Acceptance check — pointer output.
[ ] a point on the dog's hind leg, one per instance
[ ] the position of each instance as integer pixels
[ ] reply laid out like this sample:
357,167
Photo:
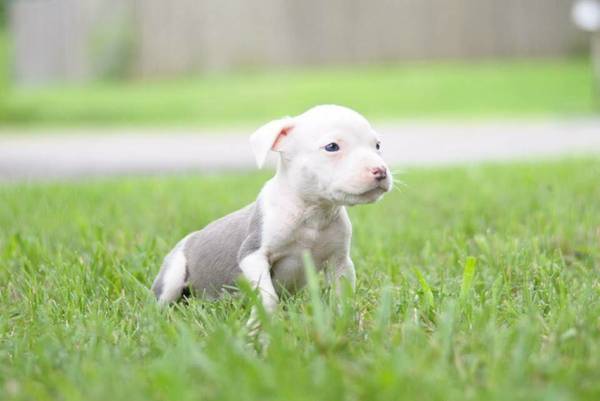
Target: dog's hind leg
172,278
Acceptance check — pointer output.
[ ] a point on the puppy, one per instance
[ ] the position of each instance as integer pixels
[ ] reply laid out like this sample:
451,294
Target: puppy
329,158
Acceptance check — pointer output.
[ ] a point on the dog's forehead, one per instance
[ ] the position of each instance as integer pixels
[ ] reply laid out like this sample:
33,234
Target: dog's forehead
327,120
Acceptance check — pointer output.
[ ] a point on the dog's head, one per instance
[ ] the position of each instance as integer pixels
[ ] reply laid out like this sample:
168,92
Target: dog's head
329,153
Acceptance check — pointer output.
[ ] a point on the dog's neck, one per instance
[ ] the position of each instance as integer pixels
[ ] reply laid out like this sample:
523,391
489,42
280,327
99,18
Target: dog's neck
317,213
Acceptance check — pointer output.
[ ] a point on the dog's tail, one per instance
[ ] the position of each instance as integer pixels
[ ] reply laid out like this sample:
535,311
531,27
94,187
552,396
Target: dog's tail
172,278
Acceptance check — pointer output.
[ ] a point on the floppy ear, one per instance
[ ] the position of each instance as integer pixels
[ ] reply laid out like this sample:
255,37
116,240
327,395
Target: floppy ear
269,137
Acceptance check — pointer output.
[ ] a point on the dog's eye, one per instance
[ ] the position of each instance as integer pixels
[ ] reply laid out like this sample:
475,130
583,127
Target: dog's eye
332,147
378,146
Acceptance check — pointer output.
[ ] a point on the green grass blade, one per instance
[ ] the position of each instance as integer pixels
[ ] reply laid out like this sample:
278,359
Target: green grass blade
314,290
426,289
384,311
467,278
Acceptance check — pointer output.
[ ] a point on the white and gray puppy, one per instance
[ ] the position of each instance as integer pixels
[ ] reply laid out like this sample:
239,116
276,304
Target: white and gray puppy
329,157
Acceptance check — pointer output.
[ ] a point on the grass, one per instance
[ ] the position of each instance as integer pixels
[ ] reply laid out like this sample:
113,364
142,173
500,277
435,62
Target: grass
473,283
418,90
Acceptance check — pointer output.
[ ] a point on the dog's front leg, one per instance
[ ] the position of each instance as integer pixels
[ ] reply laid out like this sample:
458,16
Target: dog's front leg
257,271
343,271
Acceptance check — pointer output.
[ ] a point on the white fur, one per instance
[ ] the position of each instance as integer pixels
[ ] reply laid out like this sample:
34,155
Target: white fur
303,205
173,281
302,208
265,137
256,269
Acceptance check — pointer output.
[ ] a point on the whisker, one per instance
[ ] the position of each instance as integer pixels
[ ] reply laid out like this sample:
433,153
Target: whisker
398,184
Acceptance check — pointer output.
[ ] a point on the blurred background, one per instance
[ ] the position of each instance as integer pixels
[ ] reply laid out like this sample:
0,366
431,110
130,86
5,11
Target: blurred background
200,67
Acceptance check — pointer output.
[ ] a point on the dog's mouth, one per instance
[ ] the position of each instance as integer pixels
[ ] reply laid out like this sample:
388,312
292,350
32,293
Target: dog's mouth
368,196
378,190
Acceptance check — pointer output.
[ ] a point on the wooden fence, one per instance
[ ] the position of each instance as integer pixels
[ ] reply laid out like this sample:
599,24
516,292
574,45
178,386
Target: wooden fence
83,39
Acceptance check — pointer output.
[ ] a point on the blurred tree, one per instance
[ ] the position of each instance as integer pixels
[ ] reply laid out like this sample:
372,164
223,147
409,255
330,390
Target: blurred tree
3,13
3,59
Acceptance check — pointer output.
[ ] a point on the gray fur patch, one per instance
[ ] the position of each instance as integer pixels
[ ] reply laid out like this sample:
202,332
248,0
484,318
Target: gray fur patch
254,239
212,253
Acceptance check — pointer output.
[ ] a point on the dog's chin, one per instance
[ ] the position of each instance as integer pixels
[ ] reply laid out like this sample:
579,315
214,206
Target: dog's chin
370,196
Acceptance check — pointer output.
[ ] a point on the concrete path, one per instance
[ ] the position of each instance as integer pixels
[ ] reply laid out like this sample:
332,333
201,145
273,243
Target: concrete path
60,154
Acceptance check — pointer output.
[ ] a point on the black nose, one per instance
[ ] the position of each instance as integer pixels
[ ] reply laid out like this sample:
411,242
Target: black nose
380,173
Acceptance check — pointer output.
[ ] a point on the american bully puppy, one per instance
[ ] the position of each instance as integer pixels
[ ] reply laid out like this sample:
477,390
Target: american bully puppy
329,158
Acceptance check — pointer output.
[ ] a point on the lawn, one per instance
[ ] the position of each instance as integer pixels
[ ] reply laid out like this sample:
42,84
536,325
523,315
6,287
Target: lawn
473,283
415,90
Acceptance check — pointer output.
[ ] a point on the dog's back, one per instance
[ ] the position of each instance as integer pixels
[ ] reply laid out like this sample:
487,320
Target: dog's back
206,261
